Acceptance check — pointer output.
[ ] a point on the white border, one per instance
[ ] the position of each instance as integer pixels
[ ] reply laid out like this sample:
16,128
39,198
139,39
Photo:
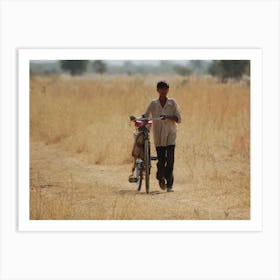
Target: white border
255,55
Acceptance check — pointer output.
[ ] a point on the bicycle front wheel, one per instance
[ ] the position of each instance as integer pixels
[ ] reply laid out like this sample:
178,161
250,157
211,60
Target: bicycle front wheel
147,162
139,177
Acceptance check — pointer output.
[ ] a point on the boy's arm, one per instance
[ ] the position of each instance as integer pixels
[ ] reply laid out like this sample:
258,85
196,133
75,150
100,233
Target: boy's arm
172,118
148,111
176,117
145,115
177,114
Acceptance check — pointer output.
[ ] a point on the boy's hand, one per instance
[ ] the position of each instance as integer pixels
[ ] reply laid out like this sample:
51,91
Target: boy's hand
172,118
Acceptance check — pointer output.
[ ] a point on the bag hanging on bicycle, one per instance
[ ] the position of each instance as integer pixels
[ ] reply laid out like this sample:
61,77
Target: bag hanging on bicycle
138,147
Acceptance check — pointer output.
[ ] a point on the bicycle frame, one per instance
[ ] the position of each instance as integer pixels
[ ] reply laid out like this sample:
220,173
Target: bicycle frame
143,165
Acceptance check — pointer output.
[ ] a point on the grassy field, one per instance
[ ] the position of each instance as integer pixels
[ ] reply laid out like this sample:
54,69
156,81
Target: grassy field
81,140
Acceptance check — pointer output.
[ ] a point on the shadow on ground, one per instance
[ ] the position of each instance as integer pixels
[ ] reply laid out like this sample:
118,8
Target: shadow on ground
134,192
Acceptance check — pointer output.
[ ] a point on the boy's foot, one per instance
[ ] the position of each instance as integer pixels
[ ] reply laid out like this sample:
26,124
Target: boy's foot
162,183
170,190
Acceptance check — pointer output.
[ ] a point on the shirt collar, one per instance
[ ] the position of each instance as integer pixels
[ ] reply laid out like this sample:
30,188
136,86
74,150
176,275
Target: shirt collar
167,100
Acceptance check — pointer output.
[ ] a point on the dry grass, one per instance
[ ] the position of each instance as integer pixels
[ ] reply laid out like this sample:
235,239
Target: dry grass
86,118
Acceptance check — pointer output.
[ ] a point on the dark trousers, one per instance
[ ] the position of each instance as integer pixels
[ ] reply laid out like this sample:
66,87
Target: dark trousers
165,164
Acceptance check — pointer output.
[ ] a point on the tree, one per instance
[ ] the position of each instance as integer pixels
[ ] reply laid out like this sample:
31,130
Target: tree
225,69
182,70
213,68
196,66
99,66
76,67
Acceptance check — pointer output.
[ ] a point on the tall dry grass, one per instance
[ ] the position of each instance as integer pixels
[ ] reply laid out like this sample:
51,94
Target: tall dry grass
89,117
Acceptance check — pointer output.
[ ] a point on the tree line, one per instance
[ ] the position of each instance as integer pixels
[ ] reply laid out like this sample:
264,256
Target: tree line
224,69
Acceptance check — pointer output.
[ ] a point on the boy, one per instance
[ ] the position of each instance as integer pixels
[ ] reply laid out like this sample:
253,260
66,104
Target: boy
164,134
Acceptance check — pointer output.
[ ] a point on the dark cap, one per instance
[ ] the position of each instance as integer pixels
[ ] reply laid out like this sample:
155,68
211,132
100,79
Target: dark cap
162,84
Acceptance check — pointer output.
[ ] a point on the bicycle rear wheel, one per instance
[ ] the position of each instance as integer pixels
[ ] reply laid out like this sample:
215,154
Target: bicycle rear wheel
147,162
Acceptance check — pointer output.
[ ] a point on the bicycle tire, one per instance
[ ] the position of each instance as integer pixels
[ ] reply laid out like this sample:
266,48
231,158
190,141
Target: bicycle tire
147,164
139,177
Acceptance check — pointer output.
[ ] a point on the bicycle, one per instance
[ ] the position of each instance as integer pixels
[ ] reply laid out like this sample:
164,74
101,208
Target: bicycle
142,152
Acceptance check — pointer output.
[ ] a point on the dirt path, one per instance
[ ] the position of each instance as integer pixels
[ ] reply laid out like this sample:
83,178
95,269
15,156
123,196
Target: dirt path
64,186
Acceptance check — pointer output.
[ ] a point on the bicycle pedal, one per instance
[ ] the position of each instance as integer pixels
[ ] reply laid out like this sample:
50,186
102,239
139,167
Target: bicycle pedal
154,158
132,179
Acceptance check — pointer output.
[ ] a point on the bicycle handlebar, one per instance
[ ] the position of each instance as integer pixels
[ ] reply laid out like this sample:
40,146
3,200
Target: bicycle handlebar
148,119
143,119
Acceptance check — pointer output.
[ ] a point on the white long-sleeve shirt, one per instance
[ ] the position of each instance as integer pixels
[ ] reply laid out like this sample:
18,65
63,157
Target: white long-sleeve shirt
164,130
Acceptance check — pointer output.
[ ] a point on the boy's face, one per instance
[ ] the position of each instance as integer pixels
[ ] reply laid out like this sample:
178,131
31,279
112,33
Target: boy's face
163,91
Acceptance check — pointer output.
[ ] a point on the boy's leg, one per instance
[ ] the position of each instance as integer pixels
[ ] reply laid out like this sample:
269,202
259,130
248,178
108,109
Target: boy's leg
170,150
161,155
